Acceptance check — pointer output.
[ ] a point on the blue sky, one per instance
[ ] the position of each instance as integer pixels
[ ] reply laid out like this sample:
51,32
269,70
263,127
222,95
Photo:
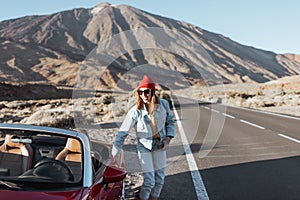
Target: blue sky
272,25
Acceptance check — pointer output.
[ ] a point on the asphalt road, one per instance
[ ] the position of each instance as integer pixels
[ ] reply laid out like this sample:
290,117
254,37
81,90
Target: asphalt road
239,154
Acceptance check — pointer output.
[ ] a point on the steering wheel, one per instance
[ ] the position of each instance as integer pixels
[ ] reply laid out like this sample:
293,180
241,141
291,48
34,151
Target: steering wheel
50,169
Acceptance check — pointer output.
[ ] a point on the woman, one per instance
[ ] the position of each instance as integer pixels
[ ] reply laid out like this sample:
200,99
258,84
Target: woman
155,125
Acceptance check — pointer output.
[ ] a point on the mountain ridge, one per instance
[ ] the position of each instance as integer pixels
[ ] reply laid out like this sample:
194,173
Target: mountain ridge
60,43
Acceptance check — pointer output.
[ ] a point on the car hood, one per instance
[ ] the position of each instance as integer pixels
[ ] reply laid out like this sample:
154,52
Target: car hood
29,195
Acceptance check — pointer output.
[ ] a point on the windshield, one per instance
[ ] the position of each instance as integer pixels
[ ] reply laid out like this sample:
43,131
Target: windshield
38,159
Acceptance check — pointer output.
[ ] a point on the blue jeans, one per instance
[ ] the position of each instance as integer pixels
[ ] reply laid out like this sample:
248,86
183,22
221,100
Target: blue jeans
153,164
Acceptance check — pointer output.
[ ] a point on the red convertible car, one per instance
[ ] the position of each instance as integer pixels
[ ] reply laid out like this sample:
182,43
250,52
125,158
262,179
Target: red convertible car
51,163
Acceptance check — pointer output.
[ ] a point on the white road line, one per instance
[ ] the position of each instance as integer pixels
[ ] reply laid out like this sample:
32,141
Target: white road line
215,111
289,138
207,108
255,125
230,116
197,180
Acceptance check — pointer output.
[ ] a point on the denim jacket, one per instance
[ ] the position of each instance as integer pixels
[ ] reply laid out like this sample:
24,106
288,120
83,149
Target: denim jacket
141,120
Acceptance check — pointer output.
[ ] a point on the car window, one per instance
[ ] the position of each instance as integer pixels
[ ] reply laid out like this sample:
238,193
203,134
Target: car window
37,158
100,157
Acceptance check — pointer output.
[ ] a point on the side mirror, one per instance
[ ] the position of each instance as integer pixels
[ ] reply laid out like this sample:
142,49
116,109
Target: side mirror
113,174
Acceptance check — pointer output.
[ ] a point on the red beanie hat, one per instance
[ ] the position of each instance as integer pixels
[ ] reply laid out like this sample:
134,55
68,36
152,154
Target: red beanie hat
147,83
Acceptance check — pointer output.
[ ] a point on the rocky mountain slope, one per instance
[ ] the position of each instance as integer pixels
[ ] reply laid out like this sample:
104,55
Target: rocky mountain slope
51,49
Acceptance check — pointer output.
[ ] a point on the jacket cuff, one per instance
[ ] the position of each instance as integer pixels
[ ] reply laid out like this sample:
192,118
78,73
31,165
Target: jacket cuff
114,151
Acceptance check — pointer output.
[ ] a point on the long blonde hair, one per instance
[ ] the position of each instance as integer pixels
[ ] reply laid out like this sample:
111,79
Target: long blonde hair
154,101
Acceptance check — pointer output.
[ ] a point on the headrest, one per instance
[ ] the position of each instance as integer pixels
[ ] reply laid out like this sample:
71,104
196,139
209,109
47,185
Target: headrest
9,143
73,145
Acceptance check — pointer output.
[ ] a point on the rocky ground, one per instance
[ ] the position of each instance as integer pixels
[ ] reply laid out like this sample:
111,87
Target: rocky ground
280,96
102,113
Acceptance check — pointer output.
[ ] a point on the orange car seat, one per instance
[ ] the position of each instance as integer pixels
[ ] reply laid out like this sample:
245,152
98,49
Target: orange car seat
71,152
14,156
72,155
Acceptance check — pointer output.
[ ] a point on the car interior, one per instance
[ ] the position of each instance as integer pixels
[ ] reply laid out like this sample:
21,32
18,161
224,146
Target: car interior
15,158
38,157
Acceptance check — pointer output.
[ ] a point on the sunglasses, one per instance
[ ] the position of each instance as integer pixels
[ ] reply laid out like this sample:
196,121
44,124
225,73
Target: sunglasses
146,92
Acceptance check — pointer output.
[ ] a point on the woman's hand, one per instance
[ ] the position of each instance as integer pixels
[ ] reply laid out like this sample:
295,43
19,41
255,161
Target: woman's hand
166,143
